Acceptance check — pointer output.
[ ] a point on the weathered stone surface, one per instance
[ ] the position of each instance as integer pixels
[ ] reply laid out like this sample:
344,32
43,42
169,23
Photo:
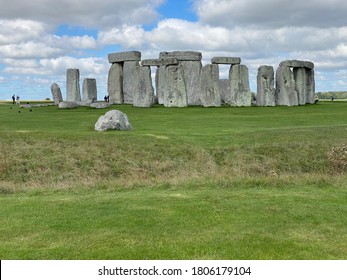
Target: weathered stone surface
56,93
89,90
129,81
144,93
224,88
159,62
209,85
286,94
240,94
73,92
175,94
297,64
68,105
191,76
265,86
182,55
310,87
160,84
115,83
84,103
225,60
124,56
100,105
300,79
113,120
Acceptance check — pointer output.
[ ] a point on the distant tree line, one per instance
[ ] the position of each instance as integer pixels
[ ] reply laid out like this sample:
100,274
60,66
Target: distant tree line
332,95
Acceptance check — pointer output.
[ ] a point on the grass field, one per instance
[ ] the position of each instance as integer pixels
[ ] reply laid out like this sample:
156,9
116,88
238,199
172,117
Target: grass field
185,183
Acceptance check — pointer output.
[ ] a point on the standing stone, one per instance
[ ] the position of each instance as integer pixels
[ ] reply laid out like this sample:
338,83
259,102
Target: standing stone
209,86
56,93
224,87
175,94
265,86
144,94
160,83
115,83
240,94
129,80
73,85
300,84
191,74
310,86
286,94
89,90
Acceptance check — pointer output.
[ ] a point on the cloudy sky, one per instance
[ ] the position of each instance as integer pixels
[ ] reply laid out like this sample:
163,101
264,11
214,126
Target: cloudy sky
40,39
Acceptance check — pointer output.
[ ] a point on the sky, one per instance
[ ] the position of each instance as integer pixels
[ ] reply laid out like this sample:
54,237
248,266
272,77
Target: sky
41,39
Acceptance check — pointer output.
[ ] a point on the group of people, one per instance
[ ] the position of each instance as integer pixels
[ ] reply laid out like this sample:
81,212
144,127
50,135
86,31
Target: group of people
15,99
107,98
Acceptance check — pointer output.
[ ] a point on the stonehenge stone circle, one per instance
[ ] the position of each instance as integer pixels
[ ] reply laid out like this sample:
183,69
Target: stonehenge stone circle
240,94
175,94
89,90
265,86
113,120
115,84
73,85
209,86
143,96
56,93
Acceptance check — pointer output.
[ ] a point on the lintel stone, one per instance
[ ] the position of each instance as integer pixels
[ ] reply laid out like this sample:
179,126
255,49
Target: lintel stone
159,62
226,60
297,64
124,56
182,55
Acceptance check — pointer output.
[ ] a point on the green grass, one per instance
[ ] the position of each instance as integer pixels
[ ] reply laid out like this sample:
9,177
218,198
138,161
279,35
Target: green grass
185,183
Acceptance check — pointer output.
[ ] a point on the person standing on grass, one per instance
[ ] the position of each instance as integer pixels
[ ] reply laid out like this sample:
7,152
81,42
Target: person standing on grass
18,100
13,99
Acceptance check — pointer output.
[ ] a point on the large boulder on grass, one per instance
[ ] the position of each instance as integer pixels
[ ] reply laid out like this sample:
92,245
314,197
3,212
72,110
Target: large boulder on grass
113,120
68,105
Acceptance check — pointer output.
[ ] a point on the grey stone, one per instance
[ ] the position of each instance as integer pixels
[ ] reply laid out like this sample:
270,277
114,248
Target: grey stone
100,105
68,105
56,94
209,84
226,60
265,86
115,83
182,55
310,87
297,64
113,120
300,79
224,87
144,94
84,103
175,94
286,94
159,62
160,84
89,90
124,56
73,85
240,94
191,76
129,80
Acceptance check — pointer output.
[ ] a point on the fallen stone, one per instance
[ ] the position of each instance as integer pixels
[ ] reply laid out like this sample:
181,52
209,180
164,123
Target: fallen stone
226,60
159,62
182,55
115,83
209,86
56,94
68,105
113,120
100,105
124,56
265,86
89,90
73,85
84,103
297,64
175,94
